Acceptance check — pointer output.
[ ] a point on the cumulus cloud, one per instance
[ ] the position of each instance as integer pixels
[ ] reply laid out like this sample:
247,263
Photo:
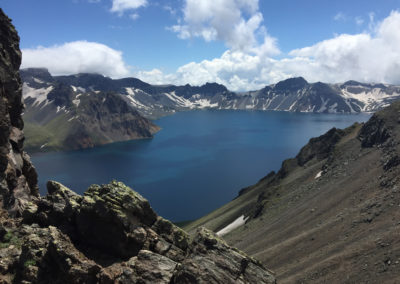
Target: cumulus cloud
120,6
235,69
238,23
372,56
77,57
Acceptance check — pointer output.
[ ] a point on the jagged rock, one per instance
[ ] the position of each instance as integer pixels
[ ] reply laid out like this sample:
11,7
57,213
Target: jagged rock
117,229
212,261
149,267
171,233
114,218
374,132
319,147
48,256
18,179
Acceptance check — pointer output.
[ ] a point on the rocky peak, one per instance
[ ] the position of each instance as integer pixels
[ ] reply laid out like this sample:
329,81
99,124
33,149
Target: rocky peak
291,84
382,127
42,74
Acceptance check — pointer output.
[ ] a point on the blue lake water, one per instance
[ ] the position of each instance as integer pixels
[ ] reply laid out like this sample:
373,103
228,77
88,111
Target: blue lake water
197,162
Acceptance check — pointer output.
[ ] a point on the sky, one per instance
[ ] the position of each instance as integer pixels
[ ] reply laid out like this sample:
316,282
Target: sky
243,44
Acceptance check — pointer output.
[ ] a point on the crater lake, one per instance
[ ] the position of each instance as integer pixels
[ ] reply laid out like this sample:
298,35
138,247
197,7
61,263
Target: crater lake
197,162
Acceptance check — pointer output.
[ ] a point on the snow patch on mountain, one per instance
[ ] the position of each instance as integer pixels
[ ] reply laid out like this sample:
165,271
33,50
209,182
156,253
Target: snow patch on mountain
38,81
40,95
235,224
180,101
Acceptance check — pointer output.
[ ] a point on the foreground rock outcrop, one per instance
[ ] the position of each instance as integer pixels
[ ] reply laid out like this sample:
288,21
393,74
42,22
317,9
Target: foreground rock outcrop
112,235
109,235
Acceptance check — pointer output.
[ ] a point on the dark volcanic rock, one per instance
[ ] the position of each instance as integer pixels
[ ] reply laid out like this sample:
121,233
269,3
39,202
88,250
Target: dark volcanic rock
319,147
219,263
374,132
18,179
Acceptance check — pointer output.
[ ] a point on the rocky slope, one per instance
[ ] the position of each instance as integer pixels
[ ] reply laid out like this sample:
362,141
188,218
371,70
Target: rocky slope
60,116
108,235
294,94
329,215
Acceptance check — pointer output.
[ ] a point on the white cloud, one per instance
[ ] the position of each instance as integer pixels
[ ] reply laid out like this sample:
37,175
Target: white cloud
77,57
134,16
171,10
235,22
120,6
372,56
359,21
235,69
339,17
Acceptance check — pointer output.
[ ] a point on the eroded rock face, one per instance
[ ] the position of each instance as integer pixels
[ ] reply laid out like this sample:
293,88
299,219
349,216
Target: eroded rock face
18,178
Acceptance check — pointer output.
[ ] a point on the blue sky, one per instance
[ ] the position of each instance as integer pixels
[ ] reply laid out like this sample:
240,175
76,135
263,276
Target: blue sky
244,44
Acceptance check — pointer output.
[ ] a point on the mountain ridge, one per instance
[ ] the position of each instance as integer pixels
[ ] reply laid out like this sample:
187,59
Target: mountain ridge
293,94
60,100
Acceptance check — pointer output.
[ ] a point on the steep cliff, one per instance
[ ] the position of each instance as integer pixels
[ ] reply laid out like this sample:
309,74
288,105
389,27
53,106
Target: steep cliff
18,178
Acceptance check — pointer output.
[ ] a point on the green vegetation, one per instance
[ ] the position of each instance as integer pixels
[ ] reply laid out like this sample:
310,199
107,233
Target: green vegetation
10,239
52,134
29,262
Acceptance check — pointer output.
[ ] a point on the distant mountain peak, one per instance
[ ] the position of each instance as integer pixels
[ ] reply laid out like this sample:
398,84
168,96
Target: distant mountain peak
291,84
292,94
38,73
351,83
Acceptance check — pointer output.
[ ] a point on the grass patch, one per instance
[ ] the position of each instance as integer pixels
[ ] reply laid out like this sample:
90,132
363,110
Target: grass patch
10,239
30,262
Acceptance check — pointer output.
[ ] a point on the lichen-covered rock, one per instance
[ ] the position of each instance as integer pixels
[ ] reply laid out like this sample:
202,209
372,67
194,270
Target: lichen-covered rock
18,178
211,260
171,233
48,256
149,267
114,218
